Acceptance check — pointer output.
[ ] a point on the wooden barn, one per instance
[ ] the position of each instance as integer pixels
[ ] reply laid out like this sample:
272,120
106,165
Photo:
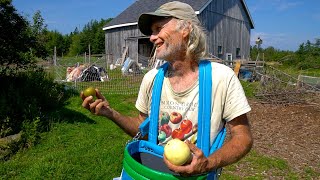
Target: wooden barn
228,24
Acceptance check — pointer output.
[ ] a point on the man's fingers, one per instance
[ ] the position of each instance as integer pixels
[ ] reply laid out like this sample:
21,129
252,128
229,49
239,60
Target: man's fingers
182,170
99,95
172,167
82,96
194,149
100,106
86,102
94,105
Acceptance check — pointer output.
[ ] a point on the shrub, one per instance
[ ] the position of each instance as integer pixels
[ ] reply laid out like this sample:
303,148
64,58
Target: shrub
25,95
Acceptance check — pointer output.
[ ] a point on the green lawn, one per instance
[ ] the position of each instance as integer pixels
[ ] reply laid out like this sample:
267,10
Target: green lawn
83,146
80,145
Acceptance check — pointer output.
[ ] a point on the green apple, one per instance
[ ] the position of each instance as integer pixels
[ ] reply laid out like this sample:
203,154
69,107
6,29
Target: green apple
177,152
90,91
164,118
162,136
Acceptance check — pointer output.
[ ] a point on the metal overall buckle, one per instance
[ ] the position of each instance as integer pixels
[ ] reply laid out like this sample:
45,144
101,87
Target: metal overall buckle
135,138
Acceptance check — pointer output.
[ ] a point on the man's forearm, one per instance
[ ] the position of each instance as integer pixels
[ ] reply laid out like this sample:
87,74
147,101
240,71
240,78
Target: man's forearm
129,124
237,147
231,151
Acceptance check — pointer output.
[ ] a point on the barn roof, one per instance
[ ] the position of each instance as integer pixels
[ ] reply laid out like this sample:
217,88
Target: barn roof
130,15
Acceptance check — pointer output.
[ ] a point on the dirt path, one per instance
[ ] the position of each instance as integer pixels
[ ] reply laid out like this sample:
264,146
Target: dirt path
291,132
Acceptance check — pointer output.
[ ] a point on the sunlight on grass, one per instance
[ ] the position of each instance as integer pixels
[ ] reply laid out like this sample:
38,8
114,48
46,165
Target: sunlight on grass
86,148
258,166
250,88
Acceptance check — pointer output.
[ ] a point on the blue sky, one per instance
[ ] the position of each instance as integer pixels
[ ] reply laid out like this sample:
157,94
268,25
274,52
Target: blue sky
283,24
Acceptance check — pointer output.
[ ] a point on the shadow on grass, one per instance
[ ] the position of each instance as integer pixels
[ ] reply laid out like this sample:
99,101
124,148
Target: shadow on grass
69,116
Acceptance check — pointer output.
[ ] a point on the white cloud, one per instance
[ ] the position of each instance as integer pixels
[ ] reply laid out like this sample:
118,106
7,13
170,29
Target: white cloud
279,5
283,5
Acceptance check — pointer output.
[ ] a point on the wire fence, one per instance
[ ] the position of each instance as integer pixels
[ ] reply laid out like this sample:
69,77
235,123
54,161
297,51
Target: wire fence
80,72
278,87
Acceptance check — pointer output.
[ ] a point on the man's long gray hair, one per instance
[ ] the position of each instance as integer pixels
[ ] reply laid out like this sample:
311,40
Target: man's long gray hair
197,44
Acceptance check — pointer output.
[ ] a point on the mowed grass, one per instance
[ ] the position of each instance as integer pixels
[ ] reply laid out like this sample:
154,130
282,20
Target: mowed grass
80,145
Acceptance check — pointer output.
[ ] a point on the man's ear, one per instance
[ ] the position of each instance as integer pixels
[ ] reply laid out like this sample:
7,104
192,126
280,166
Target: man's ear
186,31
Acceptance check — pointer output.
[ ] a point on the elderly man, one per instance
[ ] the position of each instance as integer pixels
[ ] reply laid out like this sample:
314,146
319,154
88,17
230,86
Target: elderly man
180,40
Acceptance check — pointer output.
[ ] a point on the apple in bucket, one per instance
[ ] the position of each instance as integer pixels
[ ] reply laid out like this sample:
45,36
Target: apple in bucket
177,152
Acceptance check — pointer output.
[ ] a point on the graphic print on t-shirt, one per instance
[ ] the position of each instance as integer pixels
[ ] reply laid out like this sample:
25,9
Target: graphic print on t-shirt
174,126
178,115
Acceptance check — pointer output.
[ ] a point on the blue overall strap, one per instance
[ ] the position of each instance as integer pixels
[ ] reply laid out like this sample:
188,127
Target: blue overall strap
218,142
144,127
204,111
155,104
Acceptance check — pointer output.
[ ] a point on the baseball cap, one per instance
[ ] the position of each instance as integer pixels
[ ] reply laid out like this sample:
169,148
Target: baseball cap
174,9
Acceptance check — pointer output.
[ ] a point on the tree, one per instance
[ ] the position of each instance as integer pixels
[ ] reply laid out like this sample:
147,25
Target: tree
92,34
317,43
75,47
38,26
55,39
39,29
16,39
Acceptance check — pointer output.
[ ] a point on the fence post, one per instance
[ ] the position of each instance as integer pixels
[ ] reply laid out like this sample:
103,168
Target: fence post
55,56
89,54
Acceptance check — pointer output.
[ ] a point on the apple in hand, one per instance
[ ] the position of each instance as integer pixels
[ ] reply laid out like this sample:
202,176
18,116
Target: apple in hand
175,117
90,91
177,152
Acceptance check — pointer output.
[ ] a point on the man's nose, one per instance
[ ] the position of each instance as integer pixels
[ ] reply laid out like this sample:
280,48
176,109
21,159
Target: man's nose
153,37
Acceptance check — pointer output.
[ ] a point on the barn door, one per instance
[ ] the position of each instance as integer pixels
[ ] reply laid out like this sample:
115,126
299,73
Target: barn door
132,45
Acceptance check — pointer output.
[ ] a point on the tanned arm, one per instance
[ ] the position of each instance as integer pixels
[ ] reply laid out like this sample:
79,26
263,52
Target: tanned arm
237,147
101,107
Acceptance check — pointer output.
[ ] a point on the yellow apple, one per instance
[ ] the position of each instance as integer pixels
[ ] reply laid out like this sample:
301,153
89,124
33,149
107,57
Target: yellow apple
90,91
177,152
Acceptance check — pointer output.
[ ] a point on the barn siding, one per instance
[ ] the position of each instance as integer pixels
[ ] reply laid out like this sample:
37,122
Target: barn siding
228,26
117,39
226,23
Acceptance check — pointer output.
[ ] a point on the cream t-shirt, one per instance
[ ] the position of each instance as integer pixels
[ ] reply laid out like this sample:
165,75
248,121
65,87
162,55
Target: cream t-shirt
178,116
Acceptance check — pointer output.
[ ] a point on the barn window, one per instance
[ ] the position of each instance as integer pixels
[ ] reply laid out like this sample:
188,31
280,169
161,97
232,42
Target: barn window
219,49
238,56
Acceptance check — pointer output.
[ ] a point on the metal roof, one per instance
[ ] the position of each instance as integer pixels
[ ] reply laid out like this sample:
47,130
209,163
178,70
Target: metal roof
130,15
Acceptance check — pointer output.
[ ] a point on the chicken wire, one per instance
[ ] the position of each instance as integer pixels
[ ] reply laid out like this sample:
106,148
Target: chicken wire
78,73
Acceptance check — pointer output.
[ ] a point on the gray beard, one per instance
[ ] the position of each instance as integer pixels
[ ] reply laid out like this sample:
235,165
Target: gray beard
171,51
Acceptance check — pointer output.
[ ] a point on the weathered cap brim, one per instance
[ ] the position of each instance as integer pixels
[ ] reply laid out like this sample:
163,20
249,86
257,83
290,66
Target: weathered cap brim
145,21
